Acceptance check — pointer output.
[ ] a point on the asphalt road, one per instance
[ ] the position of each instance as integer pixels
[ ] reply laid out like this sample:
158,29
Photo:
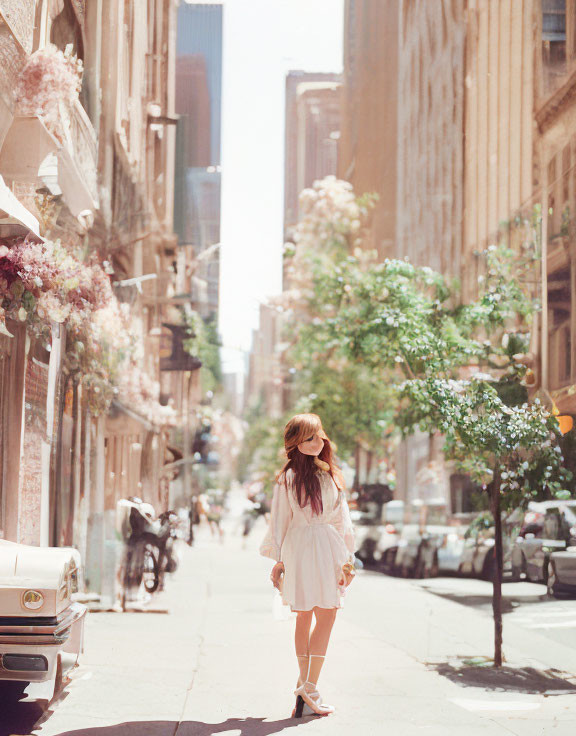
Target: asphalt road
525,605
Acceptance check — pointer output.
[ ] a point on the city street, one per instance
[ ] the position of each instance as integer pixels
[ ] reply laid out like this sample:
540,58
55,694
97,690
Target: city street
286,285
525,604
219,662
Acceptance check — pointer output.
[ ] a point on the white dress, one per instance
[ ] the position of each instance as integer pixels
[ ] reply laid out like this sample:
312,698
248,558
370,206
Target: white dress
313,547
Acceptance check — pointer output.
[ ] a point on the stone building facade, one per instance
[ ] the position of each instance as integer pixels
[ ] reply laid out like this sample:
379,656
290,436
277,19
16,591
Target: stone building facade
429,150
481,139
555,113
368,124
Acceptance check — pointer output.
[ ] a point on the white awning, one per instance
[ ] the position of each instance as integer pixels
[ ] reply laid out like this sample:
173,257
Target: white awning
31,154
15,219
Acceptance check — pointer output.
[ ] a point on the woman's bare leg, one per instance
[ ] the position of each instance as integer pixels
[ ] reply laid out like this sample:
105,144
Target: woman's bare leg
301,640
319,639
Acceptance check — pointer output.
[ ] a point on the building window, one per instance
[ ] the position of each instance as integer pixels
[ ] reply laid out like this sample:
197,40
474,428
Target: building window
560,267
464,494
555,49
560,339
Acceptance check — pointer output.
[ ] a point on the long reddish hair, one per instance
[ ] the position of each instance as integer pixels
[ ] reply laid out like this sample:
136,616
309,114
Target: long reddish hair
306,481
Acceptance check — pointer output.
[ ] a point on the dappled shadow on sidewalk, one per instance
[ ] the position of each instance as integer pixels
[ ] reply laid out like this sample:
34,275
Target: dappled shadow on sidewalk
477,601
480,673
15,716
240,727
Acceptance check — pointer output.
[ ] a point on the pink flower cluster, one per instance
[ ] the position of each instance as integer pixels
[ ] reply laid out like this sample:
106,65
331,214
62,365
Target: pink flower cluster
140,392
48,78
28,266
330,220
42,281
330,212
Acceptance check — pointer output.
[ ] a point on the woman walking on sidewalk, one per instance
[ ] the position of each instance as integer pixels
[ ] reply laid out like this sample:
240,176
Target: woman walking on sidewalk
310,535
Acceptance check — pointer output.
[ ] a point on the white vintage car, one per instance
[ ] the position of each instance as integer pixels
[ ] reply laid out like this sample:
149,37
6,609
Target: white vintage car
39,621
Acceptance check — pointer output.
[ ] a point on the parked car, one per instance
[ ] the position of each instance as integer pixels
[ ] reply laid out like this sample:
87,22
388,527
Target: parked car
39,621
478,557
406,558
560,526
546,529
561,577
365,525
440,550
377,543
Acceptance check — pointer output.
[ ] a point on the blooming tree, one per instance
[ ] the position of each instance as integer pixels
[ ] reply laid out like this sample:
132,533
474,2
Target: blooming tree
456,369
343,392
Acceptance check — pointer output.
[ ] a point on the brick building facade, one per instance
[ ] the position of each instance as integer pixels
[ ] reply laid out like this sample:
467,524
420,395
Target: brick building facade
105,188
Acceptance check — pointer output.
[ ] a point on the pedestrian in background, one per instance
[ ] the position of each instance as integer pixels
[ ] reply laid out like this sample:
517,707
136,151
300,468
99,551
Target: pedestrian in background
311,537
193,518
214,516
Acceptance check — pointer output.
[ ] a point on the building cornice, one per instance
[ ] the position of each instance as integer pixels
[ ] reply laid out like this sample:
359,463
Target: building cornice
554,106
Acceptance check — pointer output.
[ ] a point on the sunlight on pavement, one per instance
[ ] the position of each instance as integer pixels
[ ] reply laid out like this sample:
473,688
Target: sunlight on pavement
508,705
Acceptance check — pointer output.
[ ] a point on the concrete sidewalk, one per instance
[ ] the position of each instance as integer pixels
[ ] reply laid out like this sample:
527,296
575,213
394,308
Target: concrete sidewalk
221,663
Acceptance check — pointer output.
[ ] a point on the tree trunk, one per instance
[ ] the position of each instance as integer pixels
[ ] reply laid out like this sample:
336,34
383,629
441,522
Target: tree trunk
498,566
369,457
357,468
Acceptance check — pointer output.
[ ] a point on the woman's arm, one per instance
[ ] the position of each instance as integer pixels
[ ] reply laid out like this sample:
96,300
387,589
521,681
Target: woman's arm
280,517
343,523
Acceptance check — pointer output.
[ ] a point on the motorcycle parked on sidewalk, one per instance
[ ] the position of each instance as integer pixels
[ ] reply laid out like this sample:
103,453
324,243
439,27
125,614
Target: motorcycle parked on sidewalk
148,548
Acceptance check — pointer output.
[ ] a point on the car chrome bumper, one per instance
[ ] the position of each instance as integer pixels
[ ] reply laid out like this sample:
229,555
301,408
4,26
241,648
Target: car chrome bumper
39,637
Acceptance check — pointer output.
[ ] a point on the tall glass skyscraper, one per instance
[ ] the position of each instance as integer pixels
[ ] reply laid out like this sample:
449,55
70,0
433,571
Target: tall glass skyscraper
199,104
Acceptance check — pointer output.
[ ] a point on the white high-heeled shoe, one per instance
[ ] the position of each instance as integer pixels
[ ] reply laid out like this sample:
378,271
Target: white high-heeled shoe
311,696
301,708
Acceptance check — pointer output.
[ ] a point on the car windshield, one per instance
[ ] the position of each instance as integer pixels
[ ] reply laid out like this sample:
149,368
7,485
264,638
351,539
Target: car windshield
569,512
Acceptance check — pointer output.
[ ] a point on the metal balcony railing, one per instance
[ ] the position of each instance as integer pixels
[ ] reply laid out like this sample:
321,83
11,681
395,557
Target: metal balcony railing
82,146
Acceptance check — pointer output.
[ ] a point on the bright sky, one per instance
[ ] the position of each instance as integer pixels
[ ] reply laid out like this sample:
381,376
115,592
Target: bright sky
263,39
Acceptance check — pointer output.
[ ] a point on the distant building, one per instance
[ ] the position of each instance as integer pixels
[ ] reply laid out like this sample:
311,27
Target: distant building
265,382
311,135
198,154
233,384
193,105
311,152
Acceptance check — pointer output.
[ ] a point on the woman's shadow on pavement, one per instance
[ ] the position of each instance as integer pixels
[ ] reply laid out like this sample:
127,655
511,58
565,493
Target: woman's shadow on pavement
17,717
246,727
